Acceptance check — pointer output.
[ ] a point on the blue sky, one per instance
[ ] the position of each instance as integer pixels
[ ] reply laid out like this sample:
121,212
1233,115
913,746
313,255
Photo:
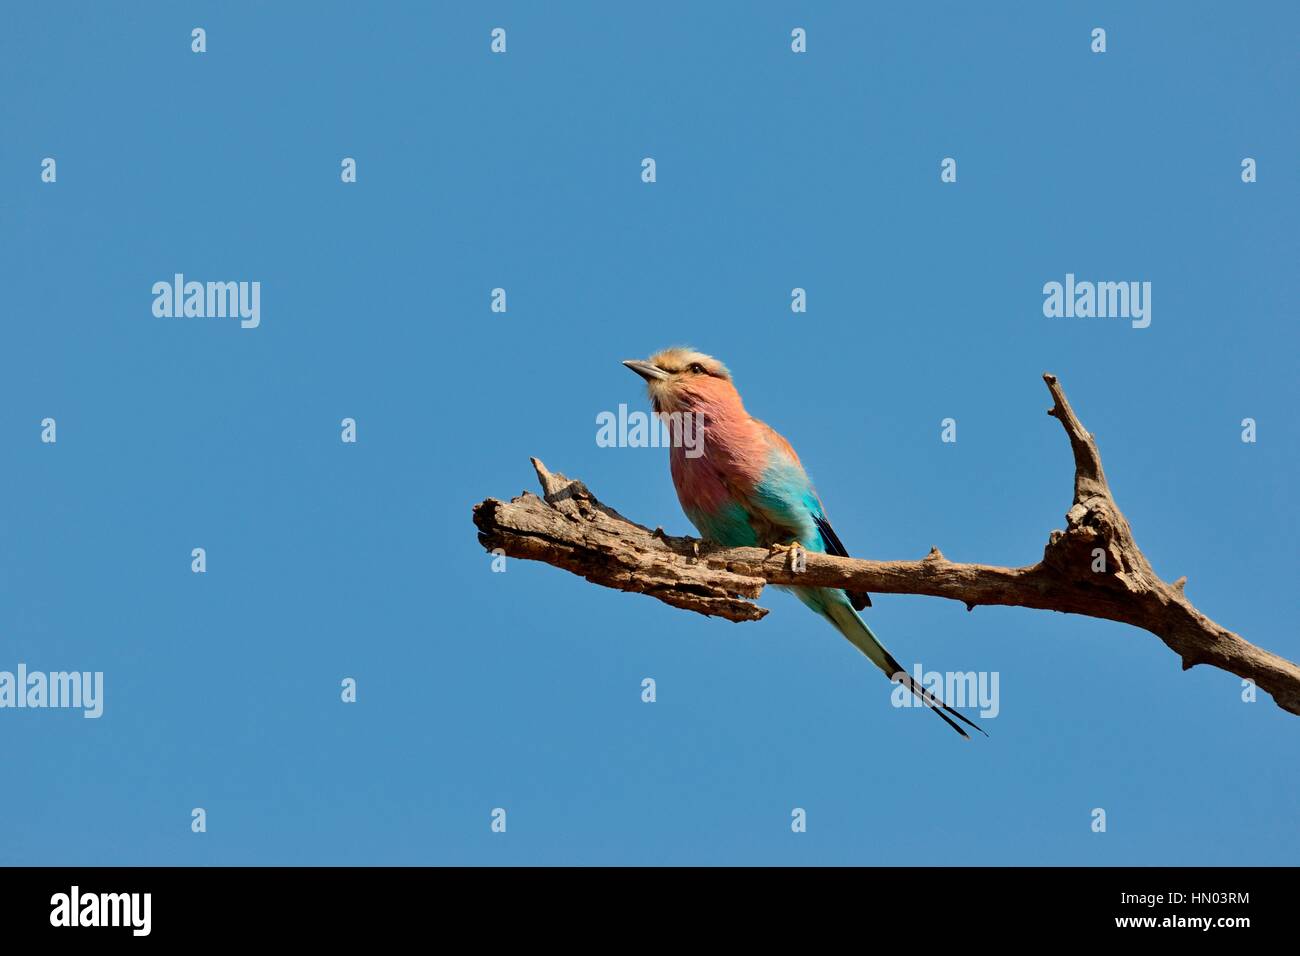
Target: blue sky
521,690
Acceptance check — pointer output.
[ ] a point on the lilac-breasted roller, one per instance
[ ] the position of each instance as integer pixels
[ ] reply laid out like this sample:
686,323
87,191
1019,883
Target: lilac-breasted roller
748,488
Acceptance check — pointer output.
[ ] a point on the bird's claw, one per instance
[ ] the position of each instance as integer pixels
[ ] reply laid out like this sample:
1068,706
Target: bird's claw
798,560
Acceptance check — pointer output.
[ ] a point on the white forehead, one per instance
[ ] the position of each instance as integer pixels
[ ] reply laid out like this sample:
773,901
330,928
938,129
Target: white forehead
676,359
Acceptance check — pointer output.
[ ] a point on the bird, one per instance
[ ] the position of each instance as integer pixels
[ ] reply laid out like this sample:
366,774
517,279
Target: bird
749,489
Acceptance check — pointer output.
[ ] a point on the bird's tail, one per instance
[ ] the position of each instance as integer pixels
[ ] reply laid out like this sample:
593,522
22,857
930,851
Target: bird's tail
849,623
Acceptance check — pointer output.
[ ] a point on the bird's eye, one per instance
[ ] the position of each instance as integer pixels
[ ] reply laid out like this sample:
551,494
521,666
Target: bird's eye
696,367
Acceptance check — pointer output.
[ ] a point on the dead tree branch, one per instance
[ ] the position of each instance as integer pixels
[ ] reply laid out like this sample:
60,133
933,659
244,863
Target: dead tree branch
570,529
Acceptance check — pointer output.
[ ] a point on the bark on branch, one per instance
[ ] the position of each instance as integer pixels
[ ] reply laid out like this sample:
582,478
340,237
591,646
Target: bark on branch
570,529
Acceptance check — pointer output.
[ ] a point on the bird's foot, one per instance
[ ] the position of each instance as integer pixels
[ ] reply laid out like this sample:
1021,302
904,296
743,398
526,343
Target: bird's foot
798,560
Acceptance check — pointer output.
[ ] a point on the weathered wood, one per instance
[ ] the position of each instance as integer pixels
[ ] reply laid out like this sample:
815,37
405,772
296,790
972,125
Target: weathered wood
571,529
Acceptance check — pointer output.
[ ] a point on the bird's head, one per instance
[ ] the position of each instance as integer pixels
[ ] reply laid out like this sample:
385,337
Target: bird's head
683,380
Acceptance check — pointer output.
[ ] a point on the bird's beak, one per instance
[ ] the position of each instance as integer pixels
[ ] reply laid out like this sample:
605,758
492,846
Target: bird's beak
651,373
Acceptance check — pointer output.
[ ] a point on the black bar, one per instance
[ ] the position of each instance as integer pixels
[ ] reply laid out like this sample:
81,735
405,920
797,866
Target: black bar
931,906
